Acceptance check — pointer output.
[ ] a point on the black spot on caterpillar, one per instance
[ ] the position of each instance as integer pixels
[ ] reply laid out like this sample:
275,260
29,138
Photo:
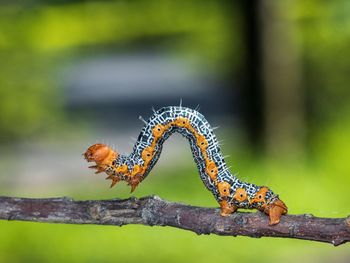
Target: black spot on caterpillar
228,190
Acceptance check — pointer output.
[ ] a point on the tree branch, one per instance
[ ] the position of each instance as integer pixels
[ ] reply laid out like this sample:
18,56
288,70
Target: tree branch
154,211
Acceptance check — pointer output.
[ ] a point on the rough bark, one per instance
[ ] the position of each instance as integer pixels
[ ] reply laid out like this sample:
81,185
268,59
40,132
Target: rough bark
154,211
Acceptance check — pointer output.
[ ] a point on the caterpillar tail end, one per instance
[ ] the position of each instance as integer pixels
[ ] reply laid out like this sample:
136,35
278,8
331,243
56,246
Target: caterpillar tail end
275,210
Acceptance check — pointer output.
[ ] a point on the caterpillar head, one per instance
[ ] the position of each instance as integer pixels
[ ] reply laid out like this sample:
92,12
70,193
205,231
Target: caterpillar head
101,154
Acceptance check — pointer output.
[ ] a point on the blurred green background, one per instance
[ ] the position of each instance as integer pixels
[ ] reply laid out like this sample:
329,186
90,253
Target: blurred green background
272,74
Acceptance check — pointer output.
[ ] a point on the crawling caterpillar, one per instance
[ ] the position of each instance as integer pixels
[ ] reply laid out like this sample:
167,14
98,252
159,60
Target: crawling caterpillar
228,190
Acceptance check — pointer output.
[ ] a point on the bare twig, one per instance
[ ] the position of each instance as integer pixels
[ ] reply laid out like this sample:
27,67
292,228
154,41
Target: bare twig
154,211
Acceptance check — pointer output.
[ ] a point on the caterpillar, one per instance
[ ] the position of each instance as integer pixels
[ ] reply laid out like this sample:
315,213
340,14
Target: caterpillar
230,192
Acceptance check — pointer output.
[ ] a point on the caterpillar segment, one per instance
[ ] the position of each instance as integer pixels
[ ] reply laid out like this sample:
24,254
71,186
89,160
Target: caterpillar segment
230,192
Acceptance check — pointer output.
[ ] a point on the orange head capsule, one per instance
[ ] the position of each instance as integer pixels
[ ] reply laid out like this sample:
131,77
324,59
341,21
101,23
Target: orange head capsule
100,154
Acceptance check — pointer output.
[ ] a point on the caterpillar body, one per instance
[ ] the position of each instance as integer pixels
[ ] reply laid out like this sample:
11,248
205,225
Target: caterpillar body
230,192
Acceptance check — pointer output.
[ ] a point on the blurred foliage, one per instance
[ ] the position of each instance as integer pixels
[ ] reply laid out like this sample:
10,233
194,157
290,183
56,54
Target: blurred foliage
36,37
27,97
206,29
324,40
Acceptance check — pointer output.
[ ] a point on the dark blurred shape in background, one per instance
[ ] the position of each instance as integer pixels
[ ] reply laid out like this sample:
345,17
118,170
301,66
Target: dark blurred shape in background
280,73
272,74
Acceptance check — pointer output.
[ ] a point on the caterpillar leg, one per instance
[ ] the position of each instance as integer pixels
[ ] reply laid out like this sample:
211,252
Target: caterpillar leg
275,210
227,208
134,182
115,179
262,200
99,168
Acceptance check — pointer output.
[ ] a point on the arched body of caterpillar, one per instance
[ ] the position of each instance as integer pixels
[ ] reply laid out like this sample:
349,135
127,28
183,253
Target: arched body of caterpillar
228,190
